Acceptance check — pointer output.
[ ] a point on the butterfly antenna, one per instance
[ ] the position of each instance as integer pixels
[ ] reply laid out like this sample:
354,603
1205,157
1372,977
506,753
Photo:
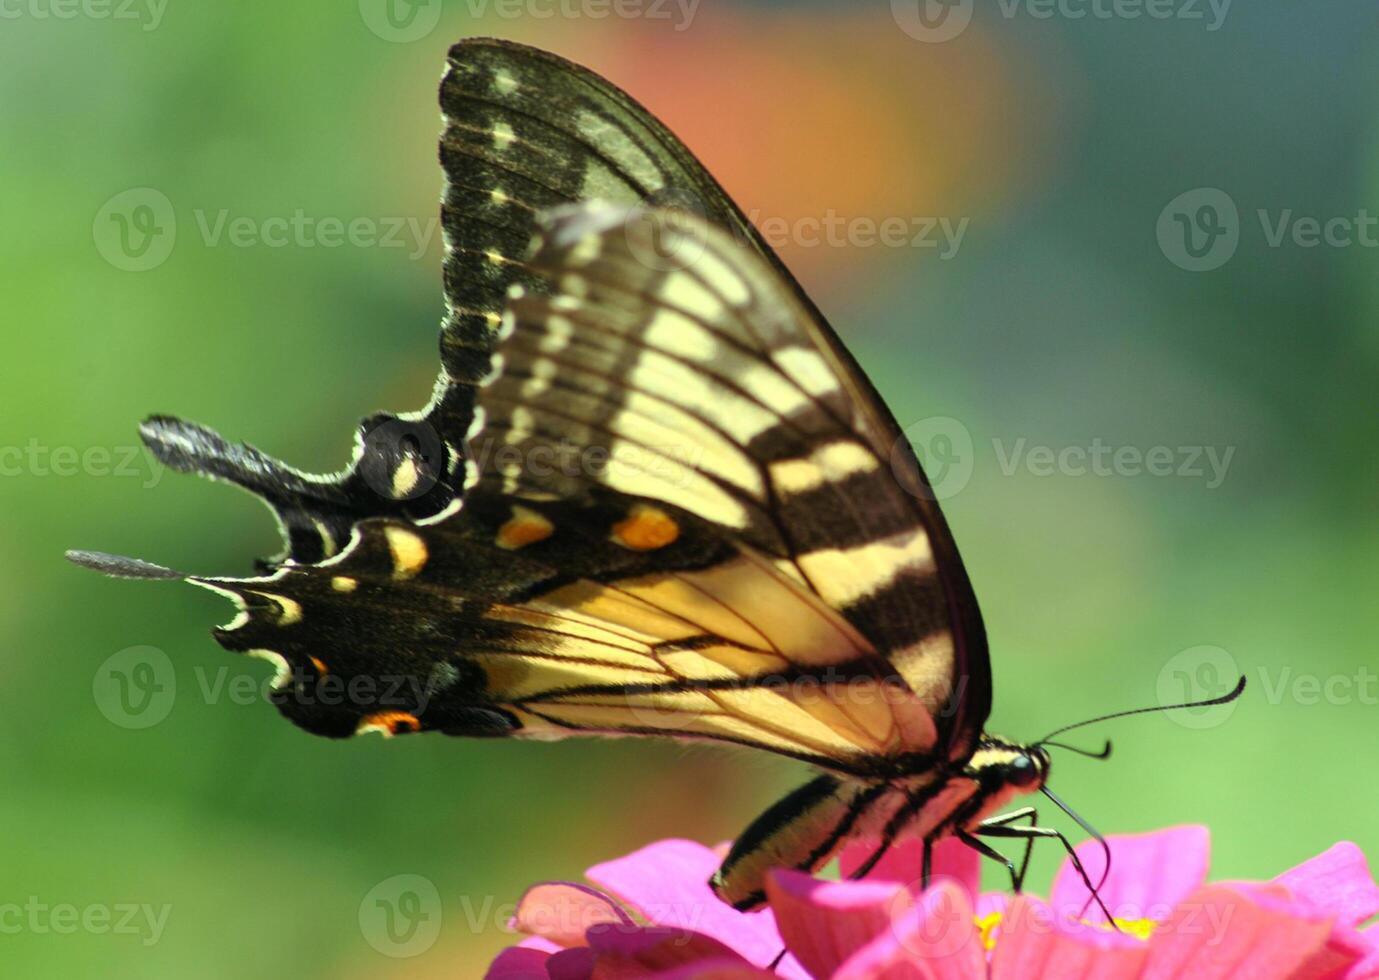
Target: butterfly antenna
1105,752
1095,890
1223,699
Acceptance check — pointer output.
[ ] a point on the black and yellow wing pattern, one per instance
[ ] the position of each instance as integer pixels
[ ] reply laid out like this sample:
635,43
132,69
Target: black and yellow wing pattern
652,494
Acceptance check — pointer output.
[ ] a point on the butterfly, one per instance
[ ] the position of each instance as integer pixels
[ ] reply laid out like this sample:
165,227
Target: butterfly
652,494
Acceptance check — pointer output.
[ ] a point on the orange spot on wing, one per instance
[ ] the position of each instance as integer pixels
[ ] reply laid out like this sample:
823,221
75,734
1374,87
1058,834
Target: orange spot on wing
389,722
523,528
320,665
646,529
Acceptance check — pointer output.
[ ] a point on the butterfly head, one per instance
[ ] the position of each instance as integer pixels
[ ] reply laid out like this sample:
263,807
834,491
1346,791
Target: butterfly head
1001,764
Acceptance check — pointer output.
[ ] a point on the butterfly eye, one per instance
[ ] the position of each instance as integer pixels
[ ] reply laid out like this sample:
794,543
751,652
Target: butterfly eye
1025,771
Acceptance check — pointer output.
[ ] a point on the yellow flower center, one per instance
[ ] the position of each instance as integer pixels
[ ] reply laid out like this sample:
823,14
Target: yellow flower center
987,925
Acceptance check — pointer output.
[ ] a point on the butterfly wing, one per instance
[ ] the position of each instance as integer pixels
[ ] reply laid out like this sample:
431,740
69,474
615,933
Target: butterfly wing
674,521
527,131
652,494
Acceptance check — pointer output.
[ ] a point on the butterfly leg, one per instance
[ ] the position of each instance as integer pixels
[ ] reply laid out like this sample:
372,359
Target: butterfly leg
987,851
1000,827
1025,812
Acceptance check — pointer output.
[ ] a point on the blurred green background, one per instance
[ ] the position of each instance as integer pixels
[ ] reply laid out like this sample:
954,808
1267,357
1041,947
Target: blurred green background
1074,313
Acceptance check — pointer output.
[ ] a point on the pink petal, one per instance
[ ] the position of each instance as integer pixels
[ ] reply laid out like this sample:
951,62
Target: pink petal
563,912
989,902
1036,944
716,970
1337,880
1367,968
668,882
825,922
1345,955
571,964
519,963
1150,873
657,942
624,954
935,940
1219,932
904,862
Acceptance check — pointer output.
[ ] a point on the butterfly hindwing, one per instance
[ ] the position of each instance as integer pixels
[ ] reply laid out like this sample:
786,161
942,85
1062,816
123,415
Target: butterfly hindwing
535,619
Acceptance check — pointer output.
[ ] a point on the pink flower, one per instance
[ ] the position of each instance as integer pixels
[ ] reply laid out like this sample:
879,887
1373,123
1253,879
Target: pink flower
652,917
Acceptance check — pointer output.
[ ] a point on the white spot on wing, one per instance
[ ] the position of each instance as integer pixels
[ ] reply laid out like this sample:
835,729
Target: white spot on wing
688,294
681,336
722,278
807,368
616,143
844,575
408,551
833,462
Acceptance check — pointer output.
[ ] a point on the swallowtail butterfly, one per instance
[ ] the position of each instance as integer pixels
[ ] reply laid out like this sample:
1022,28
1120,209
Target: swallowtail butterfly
652,495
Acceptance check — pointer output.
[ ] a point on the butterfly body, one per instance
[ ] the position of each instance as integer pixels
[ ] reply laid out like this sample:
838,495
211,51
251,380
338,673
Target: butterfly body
652,494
